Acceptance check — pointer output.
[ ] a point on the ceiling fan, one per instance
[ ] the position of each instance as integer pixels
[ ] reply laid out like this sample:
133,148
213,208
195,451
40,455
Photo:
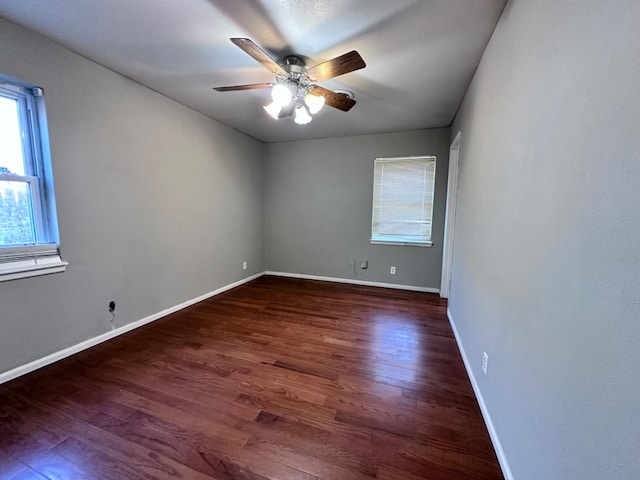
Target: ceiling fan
295,89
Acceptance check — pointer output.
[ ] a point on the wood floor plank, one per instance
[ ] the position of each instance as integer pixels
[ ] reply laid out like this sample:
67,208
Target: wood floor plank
309,463
279,378
28,474
11,467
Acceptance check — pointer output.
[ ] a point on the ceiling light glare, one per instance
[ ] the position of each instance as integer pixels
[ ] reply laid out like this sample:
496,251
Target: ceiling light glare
302,116
281,95
273,110
314,102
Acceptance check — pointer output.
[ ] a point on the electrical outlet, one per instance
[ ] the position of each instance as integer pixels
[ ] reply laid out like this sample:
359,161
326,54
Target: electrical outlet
244,265
392,270
364,264
485,362
112,306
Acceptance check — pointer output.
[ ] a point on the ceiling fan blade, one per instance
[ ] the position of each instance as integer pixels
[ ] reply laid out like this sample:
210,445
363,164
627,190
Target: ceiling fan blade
251,86
260,55
334,99
335,67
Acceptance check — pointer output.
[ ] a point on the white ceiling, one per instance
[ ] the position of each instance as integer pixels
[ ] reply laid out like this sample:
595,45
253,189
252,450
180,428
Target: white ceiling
420,54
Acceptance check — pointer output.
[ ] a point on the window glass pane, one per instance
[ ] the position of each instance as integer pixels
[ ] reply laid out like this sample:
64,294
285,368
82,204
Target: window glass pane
11,157
16,220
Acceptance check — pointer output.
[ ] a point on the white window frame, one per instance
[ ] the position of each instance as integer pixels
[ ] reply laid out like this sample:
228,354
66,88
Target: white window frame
43,256
391,238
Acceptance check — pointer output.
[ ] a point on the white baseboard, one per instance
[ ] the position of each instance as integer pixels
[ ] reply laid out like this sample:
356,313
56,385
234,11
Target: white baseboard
54,357
502,458
354,282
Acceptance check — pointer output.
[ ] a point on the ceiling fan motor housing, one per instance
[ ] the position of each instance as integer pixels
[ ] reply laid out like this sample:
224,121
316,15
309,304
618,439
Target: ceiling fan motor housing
294,60
296,79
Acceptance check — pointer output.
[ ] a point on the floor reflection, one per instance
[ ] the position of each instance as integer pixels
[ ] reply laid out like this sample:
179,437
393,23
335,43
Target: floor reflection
399,355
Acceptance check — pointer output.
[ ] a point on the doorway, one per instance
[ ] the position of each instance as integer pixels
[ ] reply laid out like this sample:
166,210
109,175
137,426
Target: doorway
450,216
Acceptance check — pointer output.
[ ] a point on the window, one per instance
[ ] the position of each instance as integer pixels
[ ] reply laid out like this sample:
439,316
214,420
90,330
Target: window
403,200
28,227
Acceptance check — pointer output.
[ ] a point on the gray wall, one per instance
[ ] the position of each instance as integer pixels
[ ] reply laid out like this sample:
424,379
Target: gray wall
546,271
157,204
318,208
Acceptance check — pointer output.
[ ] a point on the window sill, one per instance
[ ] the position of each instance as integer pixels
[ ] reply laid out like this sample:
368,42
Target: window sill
31,268
400,242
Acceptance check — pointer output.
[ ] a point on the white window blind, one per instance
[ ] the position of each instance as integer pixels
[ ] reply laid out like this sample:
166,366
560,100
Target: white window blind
403,189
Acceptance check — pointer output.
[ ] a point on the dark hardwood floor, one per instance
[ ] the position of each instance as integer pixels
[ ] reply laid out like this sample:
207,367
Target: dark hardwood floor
277,379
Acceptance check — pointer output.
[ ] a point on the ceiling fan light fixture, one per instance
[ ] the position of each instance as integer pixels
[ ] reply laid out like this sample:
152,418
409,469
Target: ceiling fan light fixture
281,94
273,109
314,102
302,116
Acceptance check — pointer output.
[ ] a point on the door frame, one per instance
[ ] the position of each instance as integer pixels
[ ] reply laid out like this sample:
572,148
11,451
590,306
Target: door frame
450,216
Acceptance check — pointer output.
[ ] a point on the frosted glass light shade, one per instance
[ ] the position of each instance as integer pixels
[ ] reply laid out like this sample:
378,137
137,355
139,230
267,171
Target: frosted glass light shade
314,102
281,95
302,116
273,109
